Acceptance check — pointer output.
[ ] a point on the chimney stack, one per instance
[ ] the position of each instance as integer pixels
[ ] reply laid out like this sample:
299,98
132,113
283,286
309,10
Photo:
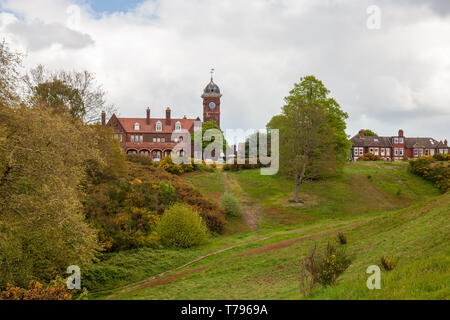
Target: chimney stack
361,133
400,133
148,116
168,121
103,118
445,142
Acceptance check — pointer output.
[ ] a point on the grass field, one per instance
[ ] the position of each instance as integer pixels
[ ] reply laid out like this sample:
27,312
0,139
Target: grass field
382,209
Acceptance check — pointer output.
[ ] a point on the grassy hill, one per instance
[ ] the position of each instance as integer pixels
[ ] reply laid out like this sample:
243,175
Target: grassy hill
382,209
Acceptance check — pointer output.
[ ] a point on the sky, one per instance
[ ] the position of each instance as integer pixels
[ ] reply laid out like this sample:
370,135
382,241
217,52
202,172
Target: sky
386,62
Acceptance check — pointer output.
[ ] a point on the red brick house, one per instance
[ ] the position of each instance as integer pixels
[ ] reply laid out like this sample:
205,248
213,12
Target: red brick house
396,147
153,136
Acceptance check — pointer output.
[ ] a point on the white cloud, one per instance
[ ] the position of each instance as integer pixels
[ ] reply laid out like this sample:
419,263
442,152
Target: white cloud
159,55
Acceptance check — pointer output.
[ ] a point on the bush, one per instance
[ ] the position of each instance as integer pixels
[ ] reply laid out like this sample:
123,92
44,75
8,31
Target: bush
342,238
442,156
324,269
181,226
230,204
56,291
368,157
430,169
140,158
388,263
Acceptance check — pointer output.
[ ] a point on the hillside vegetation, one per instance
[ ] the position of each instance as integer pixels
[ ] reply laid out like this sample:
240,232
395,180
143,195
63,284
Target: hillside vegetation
381,208
416,236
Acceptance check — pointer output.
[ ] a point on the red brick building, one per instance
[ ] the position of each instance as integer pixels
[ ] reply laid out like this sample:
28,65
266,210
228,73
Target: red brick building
396,147
157,137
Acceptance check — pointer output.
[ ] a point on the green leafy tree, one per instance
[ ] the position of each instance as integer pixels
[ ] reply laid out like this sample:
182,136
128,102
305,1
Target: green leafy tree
313,142
205,127
369,133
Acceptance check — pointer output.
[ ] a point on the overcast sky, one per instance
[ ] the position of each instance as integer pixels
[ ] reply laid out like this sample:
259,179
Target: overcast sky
159,53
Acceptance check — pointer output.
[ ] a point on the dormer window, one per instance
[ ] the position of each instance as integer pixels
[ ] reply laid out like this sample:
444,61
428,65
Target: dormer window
159,126
137,127
178,126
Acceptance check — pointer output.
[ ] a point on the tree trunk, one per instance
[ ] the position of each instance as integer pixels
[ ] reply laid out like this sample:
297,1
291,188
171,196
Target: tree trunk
299,181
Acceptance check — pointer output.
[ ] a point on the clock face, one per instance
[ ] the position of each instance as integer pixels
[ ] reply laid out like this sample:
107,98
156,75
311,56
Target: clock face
212,105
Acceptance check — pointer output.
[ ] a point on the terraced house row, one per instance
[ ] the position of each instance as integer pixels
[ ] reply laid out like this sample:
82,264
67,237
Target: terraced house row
396,147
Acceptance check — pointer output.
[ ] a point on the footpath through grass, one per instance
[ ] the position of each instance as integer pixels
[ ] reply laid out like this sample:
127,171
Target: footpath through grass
365,191
417,236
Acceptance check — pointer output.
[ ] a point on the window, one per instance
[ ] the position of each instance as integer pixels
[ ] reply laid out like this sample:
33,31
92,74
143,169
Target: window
396,152
178,126
355,151
141,138
395,140
137,127
446,151
415,152
431,152
132,138
361,151
163,139
426,152
388,152
401,151
420,152
154,139
382,151
158,139
401,140
159,126
371,150
376,151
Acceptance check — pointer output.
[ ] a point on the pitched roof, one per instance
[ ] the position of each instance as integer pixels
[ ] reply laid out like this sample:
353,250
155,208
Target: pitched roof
128,124
429,143
371,141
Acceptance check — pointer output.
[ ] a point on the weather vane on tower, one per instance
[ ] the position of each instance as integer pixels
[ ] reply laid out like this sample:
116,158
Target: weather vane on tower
212,71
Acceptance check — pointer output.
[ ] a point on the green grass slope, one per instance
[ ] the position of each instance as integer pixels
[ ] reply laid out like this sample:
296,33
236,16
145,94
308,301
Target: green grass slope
417,236
383,209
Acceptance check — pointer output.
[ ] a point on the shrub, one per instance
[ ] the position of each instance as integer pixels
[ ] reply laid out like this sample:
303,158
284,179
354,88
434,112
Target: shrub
324,269
388,263
342,238
442,156
333,263
181,226
230,204
368,157
140,158
430,169
55,291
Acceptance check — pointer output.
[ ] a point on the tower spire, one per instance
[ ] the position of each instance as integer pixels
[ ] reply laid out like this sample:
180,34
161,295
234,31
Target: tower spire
212,71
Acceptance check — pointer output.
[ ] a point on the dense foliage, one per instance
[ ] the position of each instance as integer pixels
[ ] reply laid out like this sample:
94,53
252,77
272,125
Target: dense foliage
181,226
368,157
230,204
313,143
36,291
433,170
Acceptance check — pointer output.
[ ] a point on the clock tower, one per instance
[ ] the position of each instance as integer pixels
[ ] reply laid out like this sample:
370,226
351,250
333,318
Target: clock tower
211,102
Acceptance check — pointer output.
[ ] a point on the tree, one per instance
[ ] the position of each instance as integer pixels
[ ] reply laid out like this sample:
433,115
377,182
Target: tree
313,142
312,91
83,83
42,161
205,127
59,97
369,133
10,63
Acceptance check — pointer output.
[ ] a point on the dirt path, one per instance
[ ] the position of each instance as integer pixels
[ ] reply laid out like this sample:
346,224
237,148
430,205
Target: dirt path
151,280
249,208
